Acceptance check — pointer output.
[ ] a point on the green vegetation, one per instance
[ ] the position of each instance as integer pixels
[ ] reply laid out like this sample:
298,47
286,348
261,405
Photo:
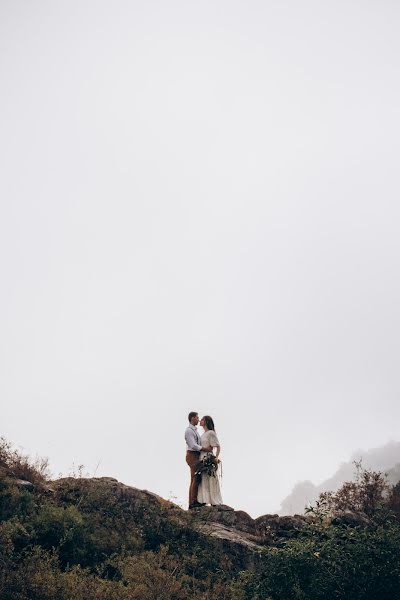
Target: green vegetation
76,539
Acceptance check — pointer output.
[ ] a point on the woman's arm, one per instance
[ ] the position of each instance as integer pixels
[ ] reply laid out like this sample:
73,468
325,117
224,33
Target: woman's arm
214,442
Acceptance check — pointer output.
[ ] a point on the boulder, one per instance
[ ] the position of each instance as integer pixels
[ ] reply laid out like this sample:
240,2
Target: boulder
22,483
350,519
274,530
237,519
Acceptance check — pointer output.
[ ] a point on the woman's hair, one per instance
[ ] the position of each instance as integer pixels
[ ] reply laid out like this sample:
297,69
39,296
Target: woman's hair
209,422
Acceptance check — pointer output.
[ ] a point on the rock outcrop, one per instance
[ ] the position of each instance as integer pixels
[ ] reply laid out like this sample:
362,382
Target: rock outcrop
235,529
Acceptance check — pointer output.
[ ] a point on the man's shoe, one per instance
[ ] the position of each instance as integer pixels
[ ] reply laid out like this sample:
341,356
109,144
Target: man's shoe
196,505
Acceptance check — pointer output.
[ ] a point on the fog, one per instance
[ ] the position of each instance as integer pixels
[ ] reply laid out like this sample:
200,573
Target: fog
200,211
384,459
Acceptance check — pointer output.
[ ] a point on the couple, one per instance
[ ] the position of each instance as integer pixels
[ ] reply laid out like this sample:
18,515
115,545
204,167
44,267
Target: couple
203,462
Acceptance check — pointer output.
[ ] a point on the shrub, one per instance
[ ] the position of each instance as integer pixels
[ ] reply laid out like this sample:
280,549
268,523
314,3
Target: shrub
331,562
394,500
15,501
61,529
367,494
19,466
151,576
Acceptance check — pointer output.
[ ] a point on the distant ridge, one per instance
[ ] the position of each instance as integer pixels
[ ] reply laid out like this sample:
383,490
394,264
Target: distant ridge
384,458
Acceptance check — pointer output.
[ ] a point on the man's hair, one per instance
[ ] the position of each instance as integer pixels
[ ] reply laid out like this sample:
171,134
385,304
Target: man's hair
191,415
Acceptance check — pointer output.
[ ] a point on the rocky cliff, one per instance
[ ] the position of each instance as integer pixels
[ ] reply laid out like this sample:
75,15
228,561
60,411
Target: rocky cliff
236,531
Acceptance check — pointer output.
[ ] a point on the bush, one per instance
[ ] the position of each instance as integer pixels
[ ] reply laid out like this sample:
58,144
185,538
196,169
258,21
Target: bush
15,501
368,494
331,562
18,466
61,529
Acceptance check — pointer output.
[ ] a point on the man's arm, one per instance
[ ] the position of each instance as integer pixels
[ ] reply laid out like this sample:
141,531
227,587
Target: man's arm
191,441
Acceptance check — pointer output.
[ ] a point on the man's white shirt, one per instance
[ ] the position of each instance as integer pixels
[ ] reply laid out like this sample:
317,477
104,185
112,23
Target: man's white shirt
192,439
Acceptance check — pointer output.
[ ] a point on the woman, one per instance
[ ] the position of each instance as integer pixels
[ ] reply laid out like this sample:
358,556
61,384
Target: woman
209,491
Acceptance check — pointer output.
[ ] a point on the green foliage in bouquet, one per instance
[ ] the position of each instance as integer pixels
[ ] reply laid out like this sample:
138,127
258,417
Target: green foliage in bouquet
208,465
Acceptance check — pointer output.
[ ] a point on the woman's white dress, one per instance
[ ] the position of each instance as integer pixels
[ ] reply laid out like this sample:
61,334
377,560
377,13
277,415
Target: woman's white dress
209,490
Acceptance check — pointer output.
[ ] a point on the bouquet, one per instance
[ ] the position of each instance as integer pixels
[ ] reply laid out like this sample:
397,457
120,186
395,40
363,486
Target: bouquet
208,464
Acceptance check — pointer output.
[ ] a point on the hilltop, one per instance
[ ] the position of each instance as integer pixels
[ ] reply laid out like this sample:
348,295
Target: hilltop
96,538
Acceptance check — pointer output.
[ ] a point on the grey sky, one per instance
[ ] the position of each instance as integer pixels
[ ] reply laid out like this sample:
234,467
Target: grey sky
200,210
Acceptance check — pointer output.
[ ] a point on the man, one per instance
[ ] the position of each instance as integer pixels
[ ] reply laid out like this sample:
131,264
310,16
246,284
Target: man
193,448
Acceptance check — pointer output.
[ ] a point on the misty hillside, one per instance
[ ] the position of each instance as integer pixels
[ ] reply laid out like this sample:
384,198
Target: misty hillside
385,458
76,538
